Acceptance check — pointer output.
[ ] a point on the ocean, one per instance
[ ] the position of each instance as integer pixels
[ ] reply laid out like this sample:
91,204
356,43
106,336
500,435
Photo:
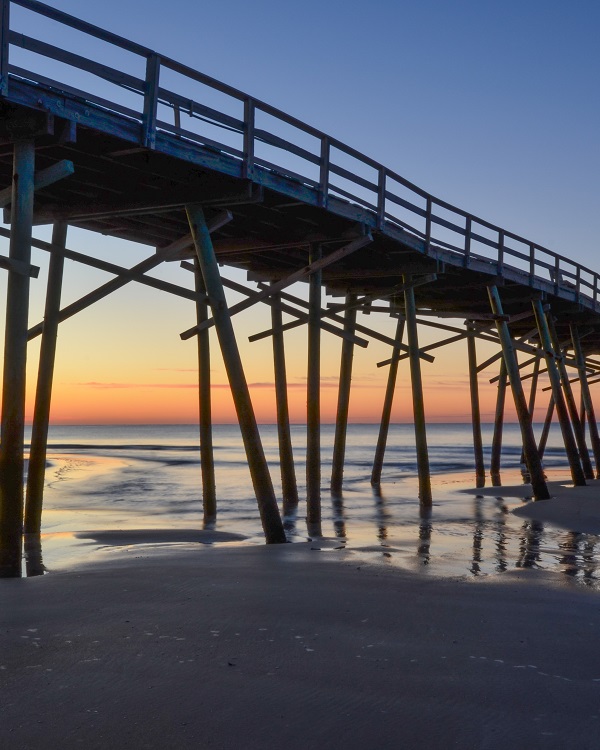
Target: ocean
129,477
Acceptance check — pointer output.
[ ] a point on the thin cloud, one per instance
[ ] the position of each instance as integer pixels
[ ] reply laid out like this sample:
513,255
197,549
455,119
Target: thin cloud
174,386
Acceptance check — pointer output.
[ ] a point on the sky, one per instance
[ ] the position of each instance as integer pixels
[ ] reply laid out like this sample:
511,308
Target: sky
494,107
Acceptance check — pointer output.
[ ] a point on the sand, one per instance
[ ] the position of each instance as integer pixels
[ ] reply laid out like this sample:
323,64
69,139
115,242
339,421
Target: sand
572,508
293,647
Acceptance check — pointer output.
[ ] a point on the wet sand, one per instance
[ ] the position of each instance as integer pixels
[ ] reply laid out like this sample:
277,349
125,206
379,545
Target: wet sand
294,647
573,508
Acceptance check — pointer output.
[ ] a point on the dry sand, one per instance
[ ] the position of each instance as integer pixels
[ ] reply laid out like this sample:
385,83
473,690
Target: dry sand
293,647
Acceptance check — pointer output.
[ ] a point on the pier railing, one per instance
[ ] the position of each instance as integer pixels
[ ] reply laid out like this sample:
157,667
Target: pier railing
163,98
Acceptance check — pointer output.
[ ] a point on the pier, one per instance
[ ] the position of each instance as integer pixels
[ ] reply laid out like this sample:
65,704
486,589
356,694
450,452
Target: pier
225,180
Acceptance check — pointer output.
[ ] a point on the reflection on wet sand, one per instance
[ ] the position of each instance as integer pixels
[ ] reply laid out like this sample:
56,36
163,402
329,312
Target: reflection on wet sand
425,530
337,507
382,514
475,537
34,565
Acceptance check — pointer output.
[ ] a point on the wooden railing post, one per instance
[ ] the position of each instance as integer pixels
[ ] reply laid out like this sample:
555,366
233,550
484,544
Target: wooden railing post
381,197
324,171
4,44
428,225
249,116
467,241
150,100
500,264
531,263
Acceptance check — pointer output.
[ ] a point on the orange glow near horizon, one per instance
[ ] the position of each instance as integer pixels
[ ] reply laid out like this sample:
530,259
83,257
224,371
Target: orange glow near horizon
122,361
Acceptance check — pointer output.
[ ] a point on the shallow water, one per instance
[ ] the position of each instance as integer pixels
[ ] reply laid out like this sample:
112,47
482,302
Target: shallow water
134,477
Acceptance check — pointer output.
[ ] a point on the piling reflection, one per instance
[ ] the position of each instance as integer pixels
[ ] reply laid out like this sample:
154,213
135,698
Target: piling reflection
529,545
477,536
500,536
425,531
337,507
34,564
382,513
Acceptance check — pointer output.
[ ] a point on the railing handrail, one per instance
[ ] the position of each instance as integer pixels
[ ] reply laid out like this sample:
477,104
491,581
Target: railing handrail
379,186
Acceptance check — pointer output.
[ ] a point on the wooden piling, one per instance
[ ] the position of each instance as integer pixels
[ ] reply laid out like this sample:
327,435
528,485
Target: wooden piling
576,421
41,413
384,425
341,422
559,401
546,428
498,426
15,362
417,394
533,390
259,471
475,409
532,459
207,459
586,396
286,455
313,400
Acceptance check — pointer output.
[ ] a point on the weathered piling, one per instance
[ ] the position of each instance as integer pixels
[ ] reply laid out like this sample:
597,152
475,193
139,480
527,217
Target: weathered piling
578,429
546,428
207,459
15,361
475,409
313,400
286,456
586,396
41,413
341,422
533,390
259,471
498,426
559,401
388,400
532,459
417,395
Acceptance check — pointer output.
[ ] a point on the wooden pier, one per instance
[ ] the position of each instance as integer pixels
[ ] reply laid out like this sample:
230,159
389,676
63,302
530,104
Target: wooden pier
227,180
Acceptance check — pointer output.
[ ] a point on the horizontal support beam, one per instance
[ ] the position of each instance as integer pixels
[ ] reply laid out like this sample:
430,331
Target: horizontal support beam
425,349
42,179
85,212
277,286
302,317
339,319
131,274
12,264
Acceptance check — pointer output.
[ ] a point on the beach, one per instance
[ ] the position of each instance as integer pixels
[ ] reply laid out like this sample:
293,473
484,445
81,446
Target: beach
292,645
472,626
